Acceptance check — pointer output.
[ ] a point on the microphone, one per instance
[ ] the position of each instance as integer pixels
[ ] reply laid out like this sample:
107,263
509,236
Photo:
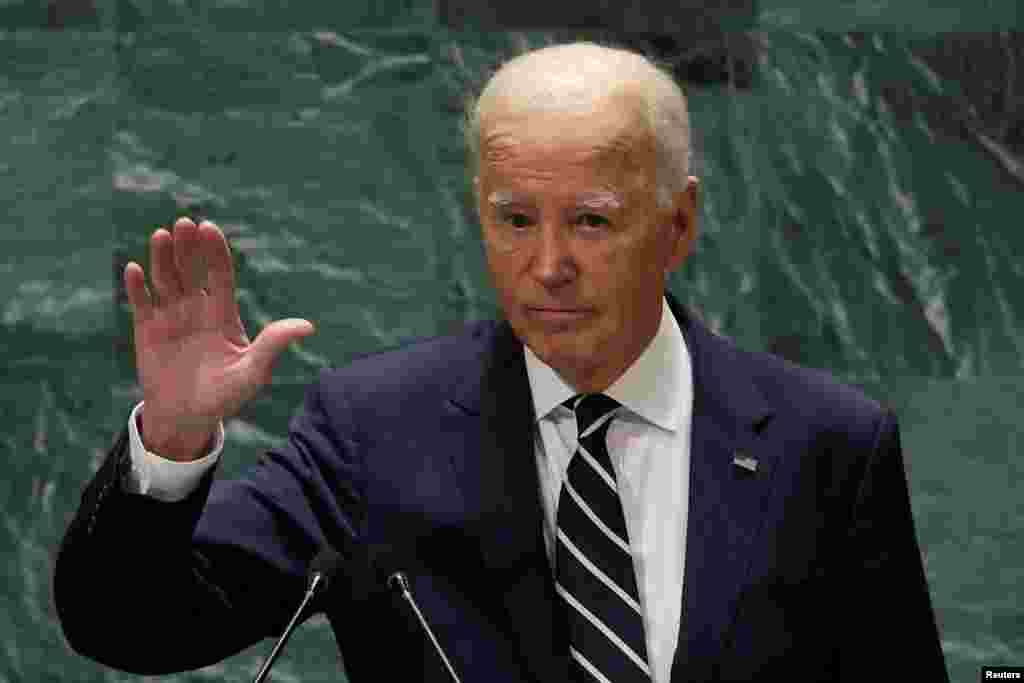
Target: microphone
400,584
379,564
322,571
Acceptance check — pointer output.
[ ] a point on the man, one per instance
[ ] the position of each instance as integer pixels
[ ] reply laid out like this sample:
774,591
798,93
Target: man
593,488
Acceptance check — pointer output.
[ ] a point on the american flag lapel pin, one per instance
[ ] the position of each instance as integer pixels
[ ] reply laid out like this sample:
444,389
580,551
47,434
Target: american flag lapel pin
741,459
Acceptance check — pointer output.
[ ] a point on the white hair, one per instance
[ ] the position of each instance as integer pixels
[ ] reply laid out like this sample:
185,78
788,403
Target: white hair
577,75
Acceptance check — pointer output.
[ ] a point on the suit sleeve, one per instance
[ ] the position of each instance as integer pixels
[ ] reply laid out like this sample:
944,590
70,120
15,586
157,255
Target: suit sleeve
884,609
155,587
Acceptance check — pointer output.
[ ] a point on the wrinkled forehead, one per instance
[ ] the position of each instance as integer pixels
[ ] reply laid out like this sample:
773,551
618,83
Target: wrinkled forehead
611,141
612,122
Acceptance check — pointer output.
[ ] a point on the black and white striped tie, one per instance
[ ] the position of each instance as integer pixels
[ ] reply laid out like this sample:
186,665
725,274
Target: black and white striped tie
593,563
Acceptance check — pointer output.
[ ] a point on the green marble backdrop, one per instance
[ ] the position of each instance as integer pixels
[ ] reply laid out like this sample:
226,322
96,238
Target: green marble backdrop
862,204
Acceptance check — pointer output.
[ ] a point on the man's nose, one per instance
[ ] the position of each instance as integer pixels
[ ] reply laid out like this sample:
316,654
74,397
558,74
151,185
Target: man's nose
553,261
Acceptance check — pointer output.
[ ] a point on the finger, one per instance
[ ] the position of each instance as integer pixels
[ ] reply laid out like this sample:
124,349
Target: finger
220,272
275,338
188,257
138,295
163,270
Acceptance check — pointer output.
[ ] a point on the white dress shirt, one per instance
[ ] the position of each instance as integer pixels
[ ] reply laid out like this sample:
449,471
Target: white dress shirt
649,446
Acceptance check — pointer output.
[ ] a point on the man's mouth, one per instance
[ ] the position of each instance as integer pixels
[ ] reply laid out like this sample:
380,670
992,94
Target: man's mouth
558,315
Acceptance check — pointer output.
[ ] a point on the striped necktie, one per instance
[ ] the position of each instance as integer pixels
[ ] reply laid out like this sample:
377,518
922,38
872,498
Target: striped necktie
593,563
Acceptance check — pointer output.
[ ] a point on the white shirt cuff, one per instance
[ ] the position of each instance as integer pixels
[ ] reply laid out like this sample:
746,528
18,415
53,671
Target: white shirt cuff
163,479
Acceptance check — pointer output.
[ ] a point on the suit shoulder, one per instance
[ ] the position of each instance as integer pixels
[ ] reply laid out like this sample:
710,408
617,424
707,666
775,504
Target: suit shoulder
815,392
412,367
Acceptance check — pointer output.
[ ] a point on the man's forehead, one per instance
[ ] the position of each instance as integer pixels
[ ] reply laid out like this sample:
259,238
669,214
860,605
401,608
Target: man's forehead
582,143
613,129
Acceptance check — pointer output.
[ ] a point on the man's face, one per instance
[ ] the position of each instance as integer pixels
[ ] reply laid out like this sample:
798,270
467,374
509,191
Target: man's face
568,209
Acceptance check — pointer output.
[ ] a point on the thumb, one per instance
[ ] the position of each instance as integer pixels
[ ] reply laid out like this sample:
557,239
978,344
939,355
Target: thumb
276,336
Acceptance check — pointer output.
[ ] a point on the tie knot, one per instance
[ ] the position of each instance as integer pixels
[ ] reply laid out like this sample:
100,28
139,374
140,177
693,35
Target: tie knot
589,408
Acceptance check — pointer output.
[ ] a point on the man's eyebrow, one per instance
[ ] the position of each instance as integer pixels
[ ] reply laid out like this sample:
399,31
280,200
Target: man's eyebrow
594,200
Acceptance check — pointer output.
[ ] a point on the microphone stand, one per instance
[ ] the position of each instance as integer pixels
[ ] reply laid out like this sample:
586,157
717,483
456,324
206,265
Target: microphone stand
399,583
318,578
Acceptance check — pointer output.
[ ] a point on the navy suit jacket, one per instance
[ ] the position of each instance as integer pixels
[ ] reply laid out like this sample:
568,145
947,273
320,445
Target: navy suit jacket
805,569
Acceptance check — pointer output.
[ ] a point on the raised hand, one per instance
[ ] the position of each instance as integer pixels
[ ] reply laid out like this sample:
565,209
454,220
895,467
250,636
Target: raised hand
195,362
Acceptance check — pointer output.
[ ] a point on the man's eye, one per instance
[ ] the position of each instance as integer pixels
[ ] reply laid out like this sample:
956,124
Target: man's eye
518,220
593,219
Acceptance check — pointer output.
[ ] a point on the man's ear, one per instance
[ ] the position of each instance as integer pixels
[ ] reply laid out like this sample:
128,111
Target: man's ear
685,211
693,199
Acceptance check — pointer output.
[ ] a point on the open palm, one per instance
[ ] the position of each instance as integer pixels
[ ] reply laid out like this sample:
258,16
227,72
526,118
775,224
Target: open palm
195,362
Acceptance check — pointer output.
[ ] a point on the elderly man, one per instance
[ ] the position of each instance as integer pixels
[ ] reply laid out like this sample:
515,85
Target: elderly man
595,488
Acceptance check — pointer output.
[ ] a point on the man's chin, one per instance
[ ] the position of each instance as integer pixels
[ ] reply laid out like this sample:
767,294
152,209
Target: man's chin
558,350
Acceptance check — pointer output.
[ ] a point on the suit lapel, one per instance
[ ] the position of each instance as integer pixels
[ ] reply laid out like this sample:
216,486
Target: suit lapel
724,500
504,473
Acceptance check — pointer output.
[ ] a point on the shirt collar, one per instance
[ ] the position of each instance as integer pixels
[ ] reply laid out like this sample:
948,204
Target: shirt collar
654,386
